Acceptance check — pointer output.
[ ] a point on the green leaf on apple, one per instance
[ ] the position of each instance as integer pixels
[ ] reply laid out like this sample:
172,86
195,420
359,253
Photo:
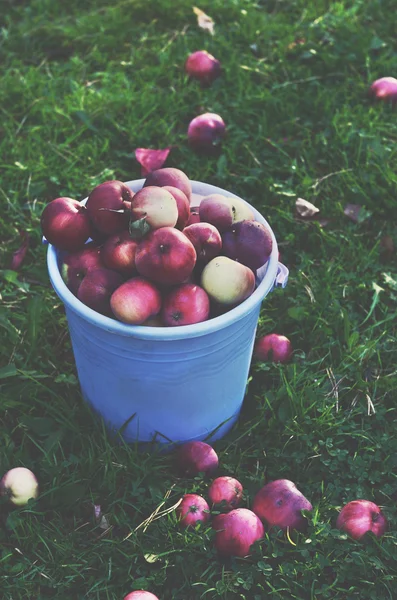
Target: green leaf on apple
138,229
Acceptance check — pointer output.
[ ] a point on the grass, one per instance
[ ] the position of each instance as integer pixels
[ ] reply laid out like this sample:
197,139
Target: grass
82,85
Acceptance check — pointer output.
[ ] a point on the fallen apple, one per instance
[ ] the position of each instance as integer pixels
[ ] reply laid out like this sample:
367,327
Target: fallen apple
203,66
196,457
19,485
182,203
248,242
227,281
156,206
360,516
185,305
273,347
206,132
108,206
65,223
236,531
226,491
206,240
118,253
165,256
279,503
77,264
385,89
140,595
170,176
96,288
192,510
135,301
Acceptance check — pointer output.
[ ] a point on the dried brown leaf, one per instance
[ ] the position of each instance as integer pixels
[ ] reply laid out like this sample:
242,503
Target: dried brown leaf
305,209
204,21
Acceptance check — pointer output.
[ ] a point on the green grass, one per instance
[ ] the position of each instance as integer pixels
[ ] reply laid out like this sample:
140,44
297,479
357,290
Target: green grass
82,85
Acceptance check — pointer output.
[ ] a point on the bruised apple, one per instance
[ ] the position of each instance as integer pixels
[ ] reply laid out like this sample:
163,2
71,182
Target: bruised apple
227,281
135,301
279,503
248,242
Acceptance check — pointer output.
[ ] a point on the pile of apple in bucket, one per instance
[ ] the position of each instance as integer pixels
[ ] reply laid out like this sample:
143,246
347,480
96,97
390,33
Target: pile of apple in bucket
151,258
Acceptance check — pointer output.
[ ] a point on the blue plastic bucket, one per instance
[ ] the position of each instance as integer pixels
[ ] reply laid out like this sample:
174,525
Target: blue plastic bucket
167,384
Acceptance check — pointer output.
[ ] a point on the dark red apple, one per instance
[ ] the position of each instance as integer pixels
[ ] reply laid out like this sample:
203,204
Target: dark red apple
192,509
156,205
196,457
279,503
226,491
107,206
236,531
140,595
135,301
273,347
166,256
77,264
206,132
360,516
194,216
65,223
217,210
170,176
185,305
96,288
206,240
248,242
385,89
118,253
182,203
203,66
19,485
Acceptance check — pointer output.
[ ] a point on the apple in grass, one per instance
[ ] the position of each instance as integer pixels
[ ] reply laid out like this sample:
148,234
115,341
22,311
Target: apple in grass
65,223
19,485
170,176
248,242
196,457
273,347
108,207
236,531
279,503
165,256
185,305
140,595
118,253
360,516
227,281
206,240
155,206
97,287
182,203
192,510
77,264
136,301
225,491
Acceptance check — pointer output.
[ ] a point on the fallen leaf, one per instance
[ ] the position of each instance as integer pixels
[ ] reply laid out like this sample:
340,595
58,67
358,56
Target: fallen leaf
19,255
100,518
203,20
150,160
305,209
356,213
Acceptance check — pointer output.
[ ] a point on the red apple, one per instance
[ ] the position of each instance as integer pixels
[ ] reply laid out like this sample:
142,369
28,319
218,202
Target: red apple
118,253
227,281
196,457
156,205
77,264
185,305
194,216
170,176
206,240
217,210
140,595
360,516
248,242
135,301
166,256
206,131
227,491
107,206
236,531
182,203
273,347
19,485
203,66
192,509
385,89
279,503
65,223
96,288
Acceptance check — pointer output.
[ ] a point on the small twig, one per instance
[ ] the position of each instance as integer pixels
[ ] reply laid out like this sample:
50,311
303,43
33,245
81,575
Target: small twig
317,183
306,80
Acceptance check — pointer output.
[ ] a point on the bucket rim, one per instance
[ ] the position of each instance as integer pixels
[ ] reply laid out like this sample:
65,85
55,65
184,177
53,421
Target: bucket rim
267,277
